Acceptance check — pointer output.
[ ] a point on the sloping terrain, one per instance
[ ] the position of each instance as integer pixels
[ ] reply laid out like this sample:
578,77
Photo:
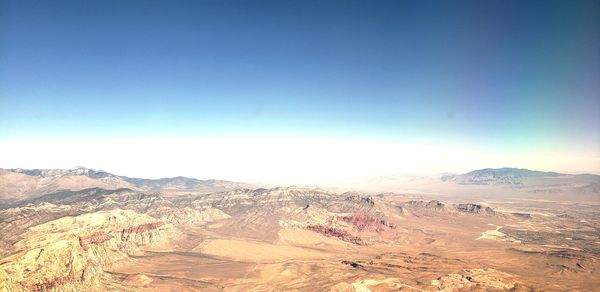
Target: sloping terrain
292,238
503,176
525,183
30,183
68,253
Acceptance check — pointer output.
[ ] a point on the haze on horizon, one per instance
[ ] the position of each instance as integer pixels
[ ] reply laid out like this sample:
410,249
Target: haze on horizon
297,91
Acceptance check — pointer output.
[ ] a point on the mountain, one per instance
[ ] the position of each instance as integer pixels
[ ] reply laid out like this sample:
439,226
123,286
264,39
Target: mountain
67,254
26,183
77,171
524,183
288,238
503,176
17,217
181,184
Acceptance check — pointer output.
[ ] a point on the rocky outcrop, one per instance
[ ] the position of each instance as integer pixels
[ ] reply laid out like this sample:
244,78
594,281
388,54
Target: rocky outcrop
139,229
429,205
353,264
68,253
367,205
192,216
246,200
333,232
363,222
474,209
15,221
368,200
96,238
478,280
41,287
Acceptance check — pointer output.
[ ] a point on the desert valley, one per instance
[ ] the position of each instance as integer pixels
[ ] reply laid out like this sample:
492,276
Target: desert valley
337,145
493,230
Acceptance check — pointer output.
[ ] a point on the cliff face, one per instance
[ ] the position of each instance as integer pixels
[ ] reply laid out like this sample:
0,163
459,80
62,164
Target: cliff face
68,253
437,208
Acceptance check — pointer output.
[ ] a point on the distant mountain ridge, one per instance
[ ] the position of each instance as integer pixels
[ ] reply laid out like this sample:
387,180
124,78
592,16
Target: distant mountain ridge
54,172
19,184
502,176
22,183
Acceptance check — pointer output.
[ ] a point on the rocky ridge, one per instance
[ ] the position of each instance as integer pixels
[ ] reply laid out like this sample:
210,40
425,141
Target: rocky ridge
68,253
30,183
17,217
501,176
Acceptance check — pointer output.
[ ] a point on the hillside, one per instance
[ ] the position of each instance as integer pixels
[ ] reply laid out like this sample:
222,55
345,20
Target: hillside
28,183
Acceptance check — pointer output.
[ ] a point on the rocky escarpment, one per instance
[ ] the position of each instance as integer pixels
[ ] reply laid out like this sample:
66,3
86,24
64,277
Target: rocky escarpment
93,199
136,233
69,253
435,208
96,238
353,228
336,233
479,280
363,205
246,200
16,218
474,209
15,221
434,205
355,203
193,215
362,222
354,218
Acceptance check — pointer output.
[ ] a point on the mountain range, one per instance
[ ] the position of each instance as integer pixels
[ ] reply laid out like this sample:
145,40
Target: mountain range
25,183
505,176
68,232
18,184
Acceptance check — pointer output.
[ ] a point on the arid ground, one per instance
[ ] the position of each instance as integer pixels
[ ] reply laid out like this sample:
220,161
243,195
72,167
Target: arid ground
297,239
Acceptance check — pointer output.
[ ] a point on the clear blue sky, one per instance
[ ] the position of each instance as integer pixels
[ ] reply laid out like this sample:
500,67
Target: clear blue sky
519,74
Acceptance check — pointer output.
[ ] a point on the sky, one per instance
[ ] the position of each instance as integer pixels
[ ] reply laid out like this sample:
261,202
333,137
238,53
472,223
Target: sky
299,91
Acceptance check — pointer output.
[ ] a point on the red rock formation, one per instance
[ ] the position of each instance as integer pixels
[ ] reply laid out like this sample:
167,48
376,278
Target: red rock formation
98,237
139,229
362,222
143,227
332,232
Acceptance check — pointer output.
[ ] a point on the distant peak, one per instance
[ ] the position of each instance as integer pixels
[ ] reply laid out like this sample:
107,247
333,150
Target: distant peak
504,176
